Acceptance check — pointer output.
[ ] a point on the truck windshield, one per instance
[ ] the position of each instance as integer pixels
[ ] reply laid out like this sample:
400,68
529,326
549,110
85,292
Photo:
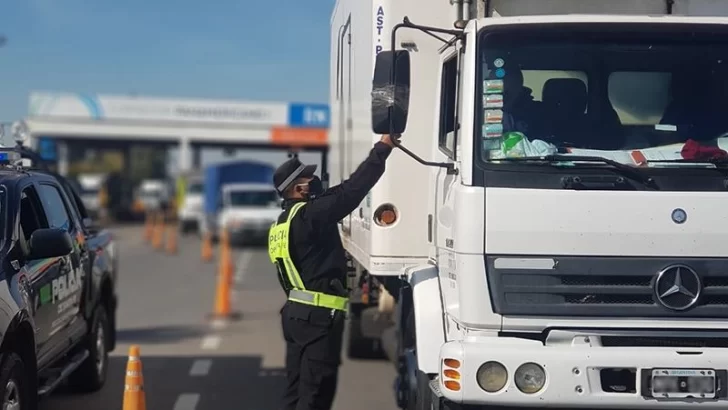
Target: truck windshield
635,94
253,198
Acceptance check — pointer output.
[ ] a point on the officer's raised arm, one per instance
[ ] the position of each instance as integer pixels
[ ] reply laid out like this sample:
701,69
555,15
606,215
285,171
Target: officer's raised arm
345,197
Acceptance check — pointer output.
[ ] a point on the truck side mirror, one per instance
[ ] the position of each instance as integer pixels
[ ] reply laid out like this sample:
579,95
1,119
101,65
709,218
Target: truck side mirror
390,92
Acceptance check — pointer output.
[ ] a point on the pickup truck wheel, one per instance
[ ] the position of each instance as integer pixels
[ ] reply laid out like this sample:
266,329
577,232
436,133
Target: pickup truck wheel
91,375
14,386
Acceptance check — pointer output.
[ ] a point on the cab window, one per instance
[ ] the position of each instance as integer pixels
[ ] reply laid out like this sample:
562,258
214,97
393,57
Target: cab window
31,212
55,207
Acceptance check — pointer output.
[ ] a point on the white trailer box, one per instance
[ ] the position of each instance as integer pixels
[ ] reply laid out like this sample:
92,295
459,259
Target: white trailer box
359,30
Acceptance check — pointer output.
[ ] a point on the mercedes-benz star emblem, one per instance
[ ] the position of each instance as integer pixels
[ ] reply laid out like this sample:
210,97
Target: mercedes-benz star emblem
678,287
679,215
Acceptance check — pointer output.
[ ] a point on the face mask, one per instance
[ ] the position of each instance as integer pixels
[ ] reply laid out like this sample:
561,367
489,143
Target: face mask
315,187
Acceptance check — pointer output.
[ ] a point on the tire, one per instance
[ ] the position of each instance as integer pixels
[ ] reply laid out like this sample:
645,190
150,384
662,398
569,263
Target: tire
91,375
15,384
424,394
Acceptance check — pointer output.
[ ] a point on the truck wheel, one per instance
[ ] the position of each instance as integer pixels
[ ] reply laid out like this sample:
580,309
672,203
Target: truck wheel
424,394
14,385
91,375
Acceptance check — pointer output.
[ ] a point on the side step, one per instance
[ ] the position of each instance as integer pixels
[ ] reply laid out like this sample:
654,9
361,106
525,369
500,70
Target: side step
55,380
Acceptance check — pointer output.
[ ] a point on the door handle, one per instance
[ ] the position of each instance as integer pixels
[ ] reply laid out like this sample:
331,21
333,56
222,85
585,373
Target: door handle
429,228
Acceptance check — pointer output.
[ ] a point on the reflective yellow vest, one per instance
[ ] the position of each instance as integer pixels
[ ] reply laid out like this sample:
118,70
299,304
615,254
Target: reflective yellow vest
281,257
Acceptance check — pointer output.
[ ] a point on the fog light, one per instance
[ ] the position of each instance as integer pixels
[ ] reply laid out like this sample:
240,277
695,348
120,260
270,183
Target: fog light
530,378
492,377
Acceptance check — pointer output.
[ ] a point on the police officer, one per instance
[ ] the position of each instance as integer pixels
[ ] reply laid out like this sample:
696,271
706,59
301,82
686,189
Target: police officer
306,248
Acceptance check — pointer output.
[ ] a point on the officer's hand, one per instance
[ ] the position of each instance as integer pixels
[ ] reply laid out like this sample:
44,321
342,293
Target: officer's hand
387,140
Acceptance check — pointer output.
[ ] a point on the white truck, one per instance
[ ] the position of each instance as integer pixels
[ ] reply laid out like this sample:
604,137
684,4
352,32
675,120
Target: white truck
248,210
190,210
91,185
559,240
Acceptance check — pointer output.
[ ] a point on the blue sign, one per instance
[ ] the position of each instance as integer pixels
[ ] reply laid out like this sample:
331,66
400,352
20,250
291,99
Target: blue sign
308,115
47,148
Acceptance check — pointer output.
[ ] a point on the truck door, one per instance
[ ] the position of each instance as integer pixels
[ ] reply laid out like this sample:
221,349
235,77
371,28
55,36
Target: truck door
345,123
41,273
67,289
443,219
446,152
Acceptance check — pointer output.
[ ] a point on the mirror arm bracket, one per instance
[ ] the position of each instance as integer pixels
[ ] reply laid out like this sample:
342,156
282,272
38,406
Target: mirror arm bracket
451,170
406,22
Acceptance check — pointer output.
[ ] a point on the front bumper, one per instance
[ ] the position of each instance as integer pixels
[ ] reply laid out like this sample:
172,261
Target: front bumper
573,378
244,233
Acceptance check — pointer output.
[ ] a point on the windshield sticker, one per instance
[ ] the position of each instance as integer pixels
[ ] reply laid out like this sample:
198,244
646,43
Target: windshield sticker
499,62
493,87
500,73
492,130
493,116
493,101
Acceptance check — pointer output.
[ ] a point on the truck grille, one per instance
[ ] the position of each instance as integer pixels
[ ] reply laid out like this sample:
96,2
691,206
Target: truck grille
597,286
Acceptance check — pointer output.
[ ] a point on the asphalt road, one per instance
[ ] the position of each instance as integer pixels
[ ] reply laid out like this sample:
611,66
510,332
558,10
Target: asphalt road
190,364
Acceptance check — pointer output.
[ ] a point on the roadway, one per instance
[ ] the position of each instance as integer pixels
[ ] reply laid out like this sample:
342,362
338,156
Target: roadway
189,364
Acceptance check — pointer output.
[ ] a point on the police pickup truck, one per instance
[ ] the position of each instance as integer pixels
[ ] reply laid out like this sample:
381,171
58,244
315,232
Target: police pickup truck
57,287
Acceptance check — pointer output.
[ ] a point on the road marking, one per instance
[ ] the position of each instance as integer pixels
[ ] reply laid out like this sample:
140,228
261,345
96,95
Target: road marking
200,367
211,342
219,324
243,263
187,401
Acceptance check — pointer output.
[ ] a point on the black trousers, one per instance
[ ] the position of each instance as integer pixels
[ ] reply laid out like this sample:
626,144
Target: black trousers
313,354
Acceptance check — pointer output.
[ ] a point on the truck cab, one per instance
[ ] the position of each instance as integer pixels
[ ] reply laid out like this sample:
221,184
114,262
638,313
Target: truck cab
578,210
90,190
248,210
190,210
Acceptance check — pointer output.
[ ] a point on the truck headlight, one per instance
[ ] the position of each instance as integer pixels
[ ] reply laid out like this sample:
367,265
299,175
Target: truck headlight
530,378
492,377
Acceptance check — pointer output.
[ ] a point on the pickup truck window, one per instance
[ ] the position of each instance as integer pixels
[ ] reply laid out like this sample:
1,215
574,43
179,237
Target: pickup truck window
31,213
55,207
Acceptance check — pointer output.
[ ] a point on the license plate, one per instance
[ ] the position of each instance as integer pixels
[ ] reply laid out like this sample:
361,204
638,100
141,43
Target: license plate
683,383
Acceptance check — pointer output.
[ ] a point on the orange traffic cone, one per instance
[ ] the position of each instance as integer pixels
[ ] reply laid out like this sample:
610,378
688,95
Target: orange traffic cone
148,227
206,248
134,398
224,280
171,239
227,257
158,231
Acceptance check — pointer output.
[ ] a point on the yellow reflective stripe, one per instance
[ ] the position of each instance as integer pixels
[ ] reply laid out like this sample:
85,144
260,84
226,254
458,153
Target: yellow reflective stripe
294,210
318,299
293,274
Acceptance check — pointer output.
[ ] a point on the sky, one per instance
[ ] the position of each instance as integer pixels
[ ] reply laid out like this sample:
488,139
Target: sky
224,49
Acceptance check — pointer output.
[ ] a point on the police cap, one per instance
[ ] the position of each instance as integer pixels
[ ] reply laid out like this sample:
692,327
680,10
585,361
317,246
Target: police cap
289,171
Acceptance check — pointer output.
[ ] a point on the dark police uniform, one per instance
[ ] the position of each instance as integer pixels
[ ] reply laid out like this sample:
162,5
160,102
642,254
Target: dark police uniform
306,248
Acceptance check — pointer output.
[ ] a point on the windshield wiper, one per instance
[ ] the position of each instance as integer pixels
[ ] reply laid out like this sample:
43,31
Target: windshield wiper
723,161
625,170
